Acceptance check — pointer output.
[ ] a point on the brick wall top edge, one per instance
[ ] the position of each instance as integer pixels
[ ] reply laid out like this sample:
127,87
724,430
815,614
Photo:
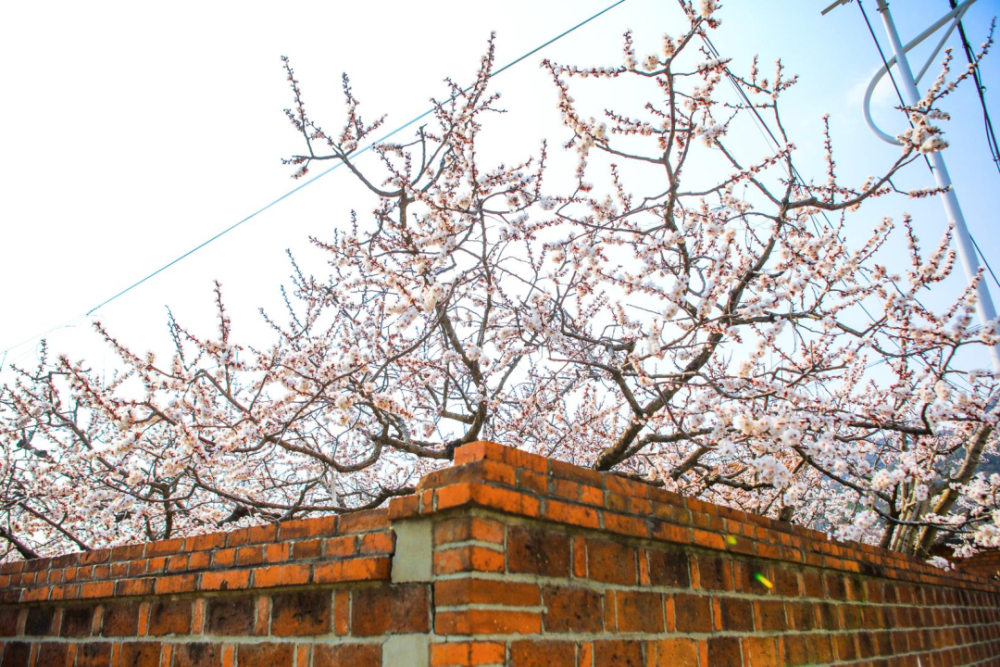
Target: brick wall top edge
817,548
348,523
517,482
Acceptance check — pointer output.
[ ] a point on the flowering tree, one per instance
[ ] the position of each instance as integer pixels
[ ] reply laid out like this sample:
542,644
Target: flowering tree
717,338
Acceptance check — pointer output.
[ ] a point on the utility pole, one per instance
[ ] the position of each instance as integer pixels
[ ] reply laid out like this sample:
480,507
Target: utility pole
911,95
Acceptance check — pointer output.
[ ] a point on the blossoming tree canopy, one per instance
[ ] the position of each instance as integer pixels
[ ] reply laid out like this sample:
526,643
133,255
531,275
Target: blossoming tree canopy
717,338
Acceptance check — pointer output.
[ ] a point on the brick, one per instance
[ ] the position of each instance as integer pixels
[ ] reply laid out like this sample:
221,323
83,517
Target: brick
502,500
262,609
292,574
88,558
164,547
724,652
199,561
178,563
618,653
197,655
38,621
453,592
850,616
341,613
836,588
250,555
227,580
262,534
264,655
466,654
277,553
344,546
382,542
626,525
9,617
487,622
230,616
306,549
353,569
92,654
845,647
736,614
801,615
537,551
532,482
795,650
676,653
205,542
97,589
134,587
760,652
127,552
224,558
693,613
669,568
821,648
542,654
574,515
121,620
77,621
404,508
579,557
51,655
347,655
456,495
611,563
390,610
368,520
479,451
491,472
301,613
625,486
709,540
468,559
468,528
303,528
786,582
610,610
140,654
584,476
771,616
639,612
16,654
181,583
170,617
572,609
828,616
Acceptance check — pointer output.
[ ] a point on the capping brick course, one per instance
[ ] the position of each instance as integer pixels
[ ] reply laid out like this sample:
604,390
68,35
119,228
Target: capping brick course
532,562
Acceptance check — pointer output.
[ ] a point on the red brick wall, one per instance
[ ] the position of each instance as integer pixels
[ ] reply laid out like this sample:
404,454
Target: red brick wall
984,564
506,558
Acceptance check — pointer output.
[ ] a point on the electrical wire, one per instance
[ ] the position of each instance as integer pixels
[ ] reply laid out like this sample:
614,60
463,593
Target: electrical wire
300,187
991,137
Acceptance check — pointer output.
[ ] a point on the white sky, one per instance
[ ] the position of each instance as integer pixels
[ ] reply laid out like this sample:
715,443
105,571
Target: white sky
129,132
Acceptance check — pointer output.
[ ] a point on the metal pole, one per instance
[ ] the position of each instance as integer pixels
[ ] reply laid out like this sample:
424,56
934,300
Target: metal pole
966,251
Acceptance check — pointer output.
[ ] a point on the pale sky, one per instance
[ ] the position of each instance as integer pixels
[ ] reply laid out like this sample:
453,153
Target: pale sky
131,132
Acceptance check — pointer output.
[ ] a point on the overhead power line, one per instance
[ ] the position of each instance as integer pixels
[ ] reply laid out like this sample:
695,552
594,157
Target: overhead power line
300,187
991,137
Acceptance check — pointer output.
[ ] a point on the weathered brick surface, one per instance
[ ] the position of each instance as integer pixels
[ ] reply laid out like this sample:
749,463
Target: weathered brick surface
532,563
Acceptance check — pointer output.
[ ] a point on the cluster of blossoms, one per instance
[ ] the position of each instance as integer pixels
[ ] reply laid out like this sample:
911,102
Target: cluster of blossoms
707,338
